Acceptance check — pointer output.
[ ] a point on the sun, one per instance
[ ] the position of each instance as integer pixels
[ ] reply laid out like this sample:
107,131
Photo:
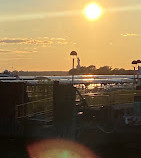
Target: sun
92,11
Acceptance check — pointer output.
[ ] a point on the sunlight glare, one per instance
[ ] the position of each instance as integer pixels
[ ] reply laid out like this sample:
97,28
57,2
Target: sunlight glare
59,148
92,11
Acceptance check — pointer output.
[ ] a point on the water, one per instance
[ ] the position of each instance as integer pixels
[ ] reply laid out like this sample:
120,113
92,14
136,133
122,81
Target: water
78,79
93,77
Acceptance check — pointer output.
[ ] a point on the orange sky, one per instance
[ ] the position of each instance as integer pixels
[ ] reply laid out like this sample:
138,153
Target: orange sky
39,35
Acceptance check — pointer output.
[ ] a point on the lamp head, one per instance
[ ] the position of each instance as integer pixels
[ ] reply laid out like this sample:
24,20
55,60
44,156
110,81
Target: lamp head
138,61
73,53
134,62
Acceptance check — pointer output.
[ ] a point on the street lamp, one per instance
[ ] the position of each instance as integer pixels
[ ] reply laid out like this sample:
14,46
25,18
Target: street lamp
73,54
134,62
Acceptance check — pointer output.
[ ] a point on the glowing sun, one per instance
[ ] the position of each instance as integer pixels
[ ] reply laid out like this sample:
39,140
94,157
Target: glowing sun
92,11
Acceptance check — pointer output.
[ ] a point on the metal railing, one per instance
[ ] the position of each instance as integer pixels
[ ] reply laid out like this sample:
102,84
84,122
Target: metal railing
30,109
118,97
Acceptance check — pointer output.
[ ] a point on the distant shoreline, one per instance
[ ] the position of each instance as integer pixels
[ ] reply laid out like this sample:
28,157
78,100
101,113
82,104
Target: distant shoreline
57,73
43,73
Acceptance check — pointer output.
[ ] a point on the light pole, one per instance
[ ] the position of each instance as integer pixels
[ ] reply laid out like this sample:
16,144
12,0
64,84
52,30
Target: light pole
134,62
73,54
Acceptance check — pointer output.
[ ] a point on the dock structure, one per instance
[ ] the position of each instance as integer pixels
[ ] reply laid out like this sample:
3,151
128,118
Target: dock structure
60,110
39,101
48,103
21,101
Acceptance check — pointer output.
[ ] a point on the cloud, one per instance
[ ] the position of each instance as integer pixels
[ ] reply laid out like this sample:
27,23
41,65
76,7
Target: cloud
2,51
62,42
23,52
23,41
38,16
129,34
43,42
136,7
58,39
15,58
15,55
11,41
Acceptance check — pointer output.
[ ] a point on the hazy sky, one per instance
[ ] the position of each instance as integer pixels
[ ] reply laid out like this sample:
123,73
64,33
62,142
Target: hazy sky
40,34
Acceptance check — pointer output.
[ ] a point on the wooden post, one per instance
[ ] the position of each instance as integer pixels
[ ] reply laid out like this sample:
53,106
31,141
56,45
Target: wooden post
11,94
64,105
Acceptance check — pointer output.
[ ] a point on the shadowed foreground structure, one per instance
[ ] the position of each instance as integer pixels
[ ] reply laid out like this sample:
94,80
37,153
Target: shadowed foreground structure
32,121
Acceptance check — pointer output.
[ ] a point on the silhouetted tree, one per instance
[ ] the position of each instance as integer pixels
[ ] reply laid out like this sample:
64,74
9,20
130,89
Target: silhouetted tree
104,70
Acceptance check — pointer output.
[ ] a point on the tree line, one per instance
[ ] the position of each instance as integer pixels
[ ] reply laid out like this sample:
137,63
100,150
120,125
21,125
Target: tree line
104,70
